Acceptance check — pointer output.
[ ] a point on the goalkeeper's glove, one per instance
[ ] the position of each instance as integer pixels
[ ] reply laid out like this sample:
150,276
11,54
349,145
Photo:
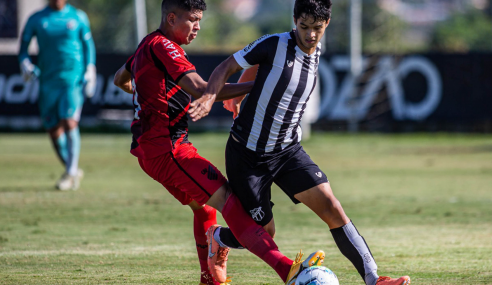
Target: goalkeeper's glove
90,78
29,70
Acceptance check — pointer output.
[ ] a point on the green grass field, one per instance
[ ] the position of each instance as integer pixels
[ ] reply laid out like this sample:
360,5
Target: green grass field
422,202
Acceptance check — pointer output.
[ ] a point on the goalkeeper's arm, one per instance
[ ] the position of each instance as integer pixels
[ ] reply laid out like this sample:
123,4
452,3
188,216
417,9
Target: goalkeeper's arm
28,69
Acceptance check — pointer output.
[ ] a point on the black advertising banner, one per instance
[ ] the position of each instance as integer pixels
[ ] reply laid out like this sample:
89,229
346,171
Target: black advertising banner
434,92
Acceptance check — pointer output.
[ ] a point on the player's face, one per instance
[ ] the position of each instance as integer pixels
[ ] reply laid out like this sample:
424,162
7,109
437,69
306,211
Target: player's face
57,4
186,26
309,32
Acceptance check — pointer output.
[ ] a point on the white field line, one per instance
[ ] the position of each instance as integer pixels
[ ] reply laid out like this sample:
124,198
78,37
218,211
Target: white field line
168,249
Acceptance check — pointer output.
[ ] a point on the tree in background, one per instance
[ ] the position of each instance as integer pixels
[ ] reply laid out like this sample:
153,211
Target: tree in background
463,32
227,27
112,24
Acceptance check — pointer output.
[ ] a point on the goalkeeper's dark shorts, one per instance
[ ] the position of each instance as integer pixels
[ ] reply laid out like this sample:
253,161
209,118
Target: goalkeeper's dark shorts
251,176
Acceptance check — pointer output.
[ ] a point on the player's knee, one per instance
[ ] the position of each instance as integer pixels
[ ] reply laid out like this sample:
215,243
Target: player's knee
270,228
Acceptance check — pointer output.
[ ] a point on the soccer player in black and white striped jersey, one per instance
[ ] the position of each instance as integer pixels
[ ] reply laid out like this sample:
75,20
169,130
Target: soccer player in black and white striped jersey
264,144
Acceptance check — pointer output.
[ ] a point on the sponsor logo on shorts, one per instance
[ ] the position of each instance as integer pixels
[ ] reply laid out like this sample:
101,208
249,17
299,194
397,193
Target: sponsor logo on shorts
211,173
257,214
290,63
319,174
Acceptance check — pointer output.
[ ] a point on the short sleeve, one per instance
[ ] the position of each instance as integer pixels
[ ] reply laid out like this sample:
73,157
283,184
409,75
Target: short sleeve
173,59
128,64
257,51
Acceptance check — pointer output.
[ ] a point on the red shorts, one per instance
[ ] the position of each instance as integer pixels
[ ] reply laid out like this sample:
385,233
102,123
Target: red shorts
185,174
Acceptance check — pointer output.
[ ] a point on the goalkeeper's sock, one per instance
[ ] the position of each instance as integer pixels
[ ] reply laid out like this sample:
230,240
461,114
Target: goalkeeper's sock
203,219
60,144
226,238
254,237
73,146
354,247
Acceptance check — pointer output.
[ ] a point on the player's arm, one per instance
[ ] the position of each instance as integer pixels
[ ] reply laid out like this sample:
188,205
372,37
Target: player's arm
28,69
234,104
123,79
253,54
193,84
202,106
90,75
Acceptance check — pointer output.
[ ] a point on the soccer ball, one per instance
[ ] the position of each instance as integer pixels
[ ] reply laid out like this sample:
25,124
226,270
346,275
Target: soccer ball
317,275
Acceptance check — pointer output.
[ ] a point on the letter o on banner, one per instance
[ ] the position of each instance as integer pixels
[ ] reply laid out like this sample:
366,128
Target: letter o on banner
421,110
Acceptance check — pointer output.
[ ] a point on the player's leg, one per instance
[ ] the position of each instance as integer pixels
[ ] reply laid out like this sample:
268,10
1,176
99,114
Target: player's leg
49,96
199,179
300,172
59,142
203,216
70,108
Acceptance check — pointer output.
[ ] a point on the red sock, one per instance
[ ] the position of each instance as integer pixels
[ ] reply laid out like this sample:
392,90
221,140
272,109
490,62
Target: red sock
204,218
254,237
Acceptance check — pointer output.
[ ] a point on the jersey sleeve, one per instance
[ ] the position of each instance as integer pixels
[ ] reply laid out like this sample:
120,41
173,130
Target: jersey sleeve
86,38
27,34
256,52
128,64
172,58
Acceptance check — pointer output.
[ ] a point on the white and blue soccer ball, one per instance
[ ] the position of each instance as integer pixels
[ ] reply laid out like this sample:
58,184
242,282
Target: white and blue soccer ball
317,275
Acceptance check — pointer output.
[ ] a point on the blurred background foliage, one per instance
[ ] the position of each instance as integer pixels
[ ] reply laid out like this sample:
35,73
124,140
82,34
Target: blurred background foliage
389,26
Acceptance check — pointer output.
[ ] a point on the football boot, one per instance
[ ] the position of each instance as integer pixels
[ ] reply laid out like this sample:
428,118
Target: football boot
385,280
217,257
314,259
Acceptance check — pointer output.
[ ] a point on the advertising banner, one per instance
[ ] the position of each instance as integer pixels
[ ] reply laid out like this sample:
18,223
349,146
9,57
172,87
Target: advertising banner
395,93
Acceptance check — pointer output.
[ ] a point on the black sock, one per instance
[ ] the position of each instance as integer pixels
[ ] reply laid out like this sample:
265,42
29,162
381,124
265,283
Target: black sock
353,246
224,236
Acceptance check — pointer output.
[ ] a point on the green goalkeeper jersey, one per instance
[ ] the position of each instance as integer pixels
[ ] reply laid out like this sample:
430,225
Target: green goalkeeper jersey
65,43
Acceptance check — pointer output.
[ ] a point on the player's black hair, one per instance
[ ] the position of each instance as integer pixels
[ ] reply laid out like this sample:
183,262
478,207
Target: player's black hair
168,6
319,9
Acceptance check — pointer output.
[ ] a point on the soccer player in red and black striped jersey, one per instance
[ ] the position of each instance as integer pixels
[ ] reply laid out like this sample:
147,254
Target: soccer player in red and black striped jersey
163,81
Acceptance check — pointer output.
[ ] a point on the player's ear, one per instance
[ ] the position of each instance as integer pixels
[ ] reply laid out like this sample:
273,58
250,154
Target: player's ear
171,19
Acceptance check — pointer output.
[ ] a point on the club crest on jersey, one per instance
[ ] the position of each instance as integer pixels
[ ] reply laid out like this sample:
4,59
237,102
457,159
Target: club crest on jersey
174,53
71,24
257,214
290,63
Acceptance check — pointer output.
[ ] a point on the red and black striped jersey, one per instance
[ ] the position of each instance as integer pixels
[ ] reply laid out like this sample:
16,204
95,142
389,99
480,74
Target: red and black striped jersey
160,104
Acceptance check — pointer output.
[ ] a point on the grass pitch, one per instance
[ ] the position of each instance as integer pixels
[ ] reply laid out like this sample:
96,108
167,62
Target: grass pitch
422,202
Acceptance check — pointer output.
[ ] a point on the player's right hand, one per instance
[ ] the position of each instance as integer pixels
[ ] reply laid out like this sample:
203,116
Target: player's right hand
201,107
29,70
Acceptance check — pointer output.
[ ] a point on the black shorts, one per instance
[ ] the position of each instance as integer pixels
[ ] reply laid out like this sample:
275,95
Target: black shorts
251,176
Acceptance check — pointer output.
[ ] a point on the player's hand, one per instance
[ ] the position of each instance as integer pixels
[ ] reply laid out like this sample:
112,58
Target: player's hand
232,105
29,71
201,107
90,78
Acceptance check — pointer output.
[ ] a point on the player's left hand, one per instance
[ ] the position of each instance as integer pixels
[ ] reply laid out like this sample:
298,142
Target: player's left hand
232,105
90,78
201,107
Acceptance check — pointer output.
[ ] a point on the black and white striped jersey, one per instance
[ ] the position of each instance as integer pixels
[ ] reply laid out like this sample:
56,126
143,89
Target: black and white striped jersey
270,118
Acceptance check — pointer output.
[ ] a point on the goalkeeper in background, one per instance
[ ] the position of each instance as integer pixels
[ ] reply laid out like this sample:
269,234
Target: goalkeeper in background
66,68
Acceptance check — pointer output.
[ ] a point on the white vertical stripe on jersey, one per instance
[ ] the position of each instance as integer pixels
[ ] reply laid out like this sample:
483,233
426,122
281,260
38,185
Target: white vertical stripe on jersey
266,93
283,105
297,113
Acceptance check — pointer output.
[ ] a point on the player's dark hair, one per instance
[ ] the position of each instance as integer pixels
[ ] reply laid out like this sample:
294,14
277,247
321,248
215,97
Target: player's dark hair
318,9
168,6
